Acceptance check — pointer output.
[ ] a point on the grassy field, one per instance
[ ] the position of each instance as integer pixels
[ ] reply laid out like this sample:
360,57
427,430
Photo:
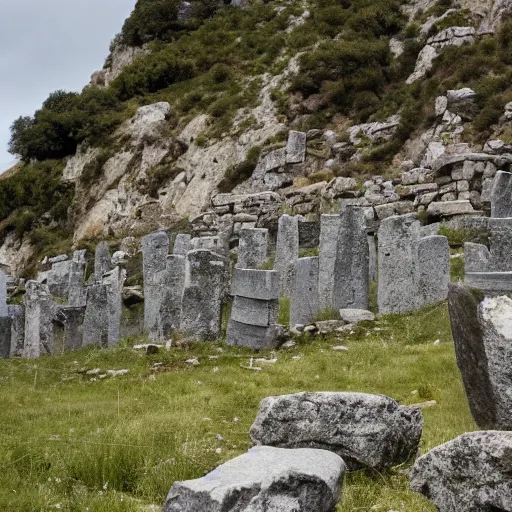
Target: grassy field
76,442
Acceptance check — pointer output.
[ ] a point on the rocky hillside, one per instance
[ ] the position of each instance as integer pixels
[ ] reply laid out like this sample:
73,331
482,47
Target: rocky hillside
209,116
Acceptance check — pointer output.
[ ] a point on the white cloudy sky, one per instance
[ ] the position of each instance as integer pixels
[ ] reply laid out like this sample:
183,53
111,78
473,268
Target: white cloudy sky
47,45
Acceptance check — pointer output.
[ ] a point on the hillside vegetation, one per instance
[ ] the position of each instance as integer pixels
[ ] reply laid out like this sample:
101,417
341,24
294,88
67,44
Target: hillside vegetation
75,441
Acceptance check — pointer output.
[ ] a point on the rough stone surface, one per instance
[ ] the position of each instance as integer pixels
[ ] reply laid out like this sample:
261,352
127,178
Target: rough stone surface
5,337
365,430
468,474
489,282
205,279
476,257
351,272
500,242
182,244
58,279
155,248
173,284
264,479
450,208
3,294
68,327
398,280
501,195
304,294
353,316
255,284
256,312
482,333
434,269
77,294
253,336
329,229
287,251
114,281
252,248
296,147
95,328
17,314
102,261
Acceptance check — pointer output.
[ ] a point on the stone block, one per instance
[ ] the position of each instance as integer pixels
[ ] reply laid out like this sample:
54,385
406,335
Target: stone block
17,314
255,284
5,337
287,251
58,279
351,273
476,258
262,313
501,195
500,244
304,294
489,282
95,327
77,294
398,277
450,208
206,274
252,248
182,244
296,147
3,294
354,316
469,473
253,336
264,479
102,261
434,269
367,431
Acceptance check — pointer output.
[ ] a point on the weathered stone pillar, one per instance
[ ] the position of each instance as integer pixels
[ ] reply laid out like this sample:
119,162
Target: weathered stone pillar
95,329
287,251
351,273
114,281
501,195
434,269
3,294
39,313
17,314
71,322
155,249
482,334
182,244
77,295
500,238
304,296
201,309
252,248
102,261
476,258
255,310
329,231
173,283
398,272
58,279
5,336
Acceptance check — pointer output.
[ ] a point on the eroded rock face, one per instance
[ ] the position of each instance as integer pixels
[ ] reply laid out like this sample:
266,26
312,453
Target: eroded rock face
366,430
264,479
468,474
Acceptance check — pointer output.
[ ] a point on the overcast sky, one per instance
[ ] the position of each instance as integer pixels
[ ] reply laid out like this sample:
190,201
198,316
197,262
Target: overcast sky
47,45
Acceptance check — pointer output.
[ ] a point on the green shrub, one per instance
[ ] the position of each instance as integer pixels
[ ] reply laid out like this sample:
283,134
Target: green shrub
241,172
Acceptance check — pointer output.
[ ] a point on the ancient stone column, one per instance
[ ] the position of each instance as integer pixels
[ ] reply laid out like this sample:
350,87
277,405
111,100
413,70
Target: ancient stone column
58,279
201,309
114,281
102,261
329,230
17,315
255,310
5,336
296,147
434,269
252,248
70,319
95,328
304,296
351,272
500,240
182,244
39,313
501,195
398,276
287,251
373,259
155,249
173,283
77,294
482,334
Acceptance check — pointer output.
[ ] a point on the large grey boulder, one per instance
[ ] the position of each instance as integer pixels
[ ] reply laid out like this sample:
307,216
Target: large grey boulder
468,474
482,334
371,431
264,479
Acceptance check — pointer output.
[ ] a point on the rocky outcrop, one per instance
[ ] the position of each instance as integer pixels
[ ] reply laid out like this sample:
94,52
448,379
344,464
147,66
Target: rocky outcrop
265,478
370,431
469,474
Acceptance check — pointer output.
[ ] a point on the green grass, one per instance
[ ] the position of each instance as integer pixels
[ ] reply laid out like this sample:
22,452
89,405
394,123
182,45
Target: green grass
117,444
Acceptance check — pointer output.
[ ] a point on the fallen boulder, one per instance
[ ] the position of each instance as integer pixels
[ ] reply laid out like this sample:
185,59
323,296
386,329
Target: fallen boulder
265,478
367,431
471,473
